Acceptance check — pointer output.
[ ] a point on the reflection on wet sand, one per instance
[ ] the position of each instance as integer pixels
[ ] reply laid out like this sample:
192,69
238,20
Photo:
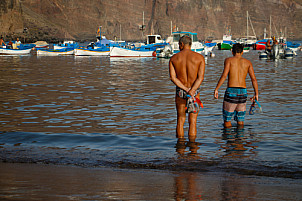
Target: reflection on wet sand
48,182
186,188
192,186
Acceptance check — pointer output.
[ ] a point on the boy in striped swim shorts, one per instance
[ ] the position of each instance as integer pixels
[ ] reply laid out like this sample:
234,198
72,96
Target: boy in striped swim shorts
236,69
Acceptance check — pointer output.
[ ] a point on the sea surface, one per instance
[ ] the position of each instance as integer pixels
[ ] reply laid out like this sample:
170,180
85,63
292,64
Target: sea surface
120,113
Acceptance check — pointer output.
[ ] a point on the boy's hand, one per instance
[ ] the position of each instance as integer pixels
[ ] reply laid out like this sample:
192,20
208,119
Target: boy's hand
216,94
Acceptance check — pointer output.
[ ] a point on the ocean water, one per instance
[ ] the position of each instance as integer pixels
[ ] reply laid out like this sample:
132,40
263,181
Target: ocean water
120,112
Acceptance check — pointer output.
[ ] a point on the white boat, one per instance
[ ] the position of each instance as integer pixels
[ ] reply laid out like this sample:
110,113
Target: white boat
139,49
173,40
127,52
7,51
41,45
91,52
42,52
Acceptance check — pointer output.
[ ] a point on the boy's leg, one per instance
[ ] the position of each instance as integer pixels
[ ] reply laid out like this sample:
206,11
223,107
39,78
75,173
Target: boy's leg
227,124
193,123
240,114
181,116
228,112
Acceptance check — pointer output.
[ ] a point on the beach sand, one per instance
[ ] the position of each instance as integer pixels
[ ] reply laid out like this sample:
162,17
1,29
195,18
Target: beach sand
22,181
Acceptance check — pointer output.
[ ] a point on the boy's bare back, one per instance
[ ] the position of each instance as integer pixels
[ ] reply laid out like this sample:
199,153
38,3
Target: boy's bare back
187,64
238,68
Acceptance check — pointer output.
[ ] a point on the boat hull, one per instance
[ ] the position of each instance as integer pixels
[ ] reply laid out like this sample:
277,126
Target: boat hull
15,51
224,46
124,52
90,52
54,52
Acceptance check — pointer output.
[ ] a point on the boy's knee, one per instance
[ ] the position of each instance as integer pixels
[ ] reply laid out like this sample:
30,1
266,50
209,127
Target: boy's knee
227,124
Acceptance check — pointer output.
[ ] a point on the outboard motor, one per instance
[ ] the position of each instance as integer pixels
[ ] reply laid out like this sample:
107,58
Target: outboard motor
276,51
165,52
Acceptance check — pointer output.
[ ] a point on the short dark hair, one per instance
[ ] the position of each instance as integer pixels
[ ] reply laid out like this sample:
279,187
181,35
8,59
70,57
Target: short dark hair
185,39
237,48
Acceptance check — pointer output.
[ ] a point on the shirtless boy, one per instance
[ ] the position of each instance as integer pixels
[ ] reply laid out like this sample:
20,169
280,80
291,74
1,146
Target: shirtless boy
186,70
236,69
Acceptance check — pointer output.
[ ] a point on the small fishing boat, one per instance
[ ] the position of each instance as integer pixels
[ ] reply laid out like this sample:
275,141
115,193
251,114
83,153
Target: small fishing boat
226,43
173,44
101,51
52,52
99,48
139,49
41,45
293,46
174,40
260,44
279,51
22,50
66,44
132,51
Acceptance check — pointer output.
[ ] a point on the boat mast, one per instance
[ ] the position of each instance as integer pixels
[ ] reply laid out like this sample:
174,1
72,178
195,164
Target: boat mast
252,27
270,26
142,27
143,23
120,32
247,25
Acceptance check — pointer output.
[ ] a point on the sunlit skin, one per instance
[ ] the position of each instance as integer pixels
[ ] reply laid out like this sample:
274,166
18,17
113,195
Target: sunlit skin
2,42
236,69
186,70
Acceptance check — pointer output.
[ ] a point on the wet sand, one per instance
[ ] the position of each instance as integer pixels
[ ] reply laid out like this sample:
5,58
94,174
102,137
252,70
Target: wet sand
21,181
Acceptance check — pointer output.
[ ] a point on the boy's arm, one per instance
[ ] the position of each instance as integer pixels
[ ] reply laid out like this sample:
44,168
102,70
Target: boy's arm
224,75
200,77
254,81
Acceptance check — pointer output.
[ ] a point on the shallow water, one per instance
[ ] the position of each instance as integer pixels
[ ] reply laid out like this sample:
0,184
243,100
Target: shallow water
120,112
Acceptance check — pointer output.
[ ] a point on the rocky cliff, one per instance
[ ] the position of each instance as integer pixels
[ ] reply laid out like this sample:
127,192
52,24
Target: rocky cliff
77,19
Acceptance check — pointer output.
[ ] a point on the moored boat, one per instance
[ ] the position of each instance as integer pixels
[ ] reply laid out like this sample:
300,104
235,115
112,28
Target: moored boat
139,50
92,51
260,44
46,52
173,44
41,45
174,40
22,50
293,46
132,52
226,43
66,44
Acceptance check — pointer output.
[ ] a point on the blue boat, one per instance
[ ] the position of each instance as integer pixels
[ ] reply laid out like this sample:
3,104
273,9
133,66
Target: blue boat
293,46
99,48
66,44
20,50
